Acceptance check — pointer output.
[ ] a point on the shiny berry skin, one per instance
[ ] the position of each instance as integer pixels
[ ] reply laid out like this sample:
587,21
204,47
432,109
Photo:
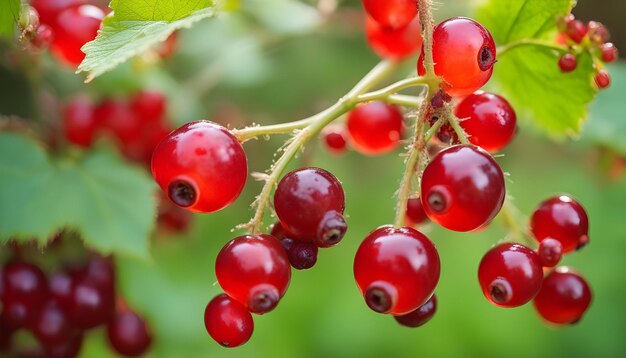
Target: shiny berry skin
602,79
25,292
79,122
334,139
421,315
254,270
415,214
75,27
148,106
394,44
375,128
464,54
60,287
510,275
491,121
51,326
302,255
609,52
568,62
118,118
228,322
550,252
575,30
90,306
303,199
396,269
561,218
564,297
201,166
597,32
129,334
391,13
462,188
49,9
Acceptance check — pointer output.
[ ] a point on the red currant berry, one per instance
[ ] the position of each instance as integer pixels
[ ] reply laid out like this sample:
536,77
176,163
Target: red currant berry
201,166
43,37
396,269
335,140
118,118
462,188
597,32
609,52
602,79
564,297
550,252
148,106
576,30
60,287
6,336
415,214
228,322
25,292
510,275
90,306
561,218
421,315
303,199
491,121
254,270
79,122
51,326
67,349
302,255
129,334
394,44
49,9
375,127
568,63
174,218
74,27
391,13
464,54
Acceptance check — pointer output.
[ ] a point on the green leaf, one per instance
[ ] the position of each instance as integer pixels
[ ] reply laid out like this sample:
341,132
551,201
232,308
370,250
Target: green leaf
9,14
285,16
110,204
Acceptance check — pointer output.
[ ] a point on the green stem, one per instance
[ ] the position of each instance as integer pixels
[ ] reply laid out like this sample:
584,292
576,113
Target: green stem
510,216
455,124
530,42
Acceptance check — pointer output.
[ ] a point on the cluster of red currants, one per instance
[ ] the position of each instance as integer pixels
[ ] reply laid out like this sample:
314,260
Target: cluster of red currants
592,37
60,309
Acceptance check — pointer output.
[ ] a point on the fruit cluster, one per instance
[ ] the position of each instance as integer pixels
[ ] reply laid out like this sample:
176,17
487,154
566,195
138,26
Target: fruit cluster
61,308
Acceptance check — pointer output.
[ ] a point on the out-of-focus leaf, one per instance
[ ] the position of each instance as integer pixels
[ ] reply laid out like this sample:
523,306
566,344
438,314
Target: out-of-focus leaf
9,14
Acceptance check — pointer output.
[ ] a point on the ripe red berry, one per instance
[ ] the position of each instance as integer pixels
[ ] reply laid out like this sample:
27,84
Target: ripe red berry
60,287
302,255
561,218
396,269
201,166
510,275
117,118
464,54
609,52
394,44
602,79
564,297
74,27
254,270
415,214
335,140
25,292
421,315
550,252
148,106
568,62
462,188
375,127
43,37
597,32
90,306
575,30
67,349
490,121
128,334
79,122
51,326
228,322
309,203
49,9
391,13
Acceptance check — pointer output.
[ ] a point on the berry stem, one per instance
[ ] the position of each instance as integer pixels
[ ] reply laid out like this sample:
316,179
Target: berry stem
455,124
511,217
503,50
428,24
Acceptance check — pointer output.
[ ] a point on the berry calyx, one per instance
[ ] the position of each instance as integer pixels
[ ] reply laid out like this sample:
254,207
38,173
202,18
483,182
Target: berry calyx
331,230
396,269
602,79
568,63
561,218
128,333
550,252
375,128
564,297
201,166
393,14
420,316
394,44
462,188
228,322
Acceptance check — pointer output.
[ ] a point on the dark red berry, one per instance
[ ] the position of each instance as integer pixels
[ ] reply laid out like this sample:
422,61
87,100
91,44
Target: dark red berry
51,326
568,62
302,200
421,315
74,27
396,269
394,44
25,292
148,106
302,255
550,252
335,140
462,188
201,166
489,120
60,287
67,349
561,218
564,297
415,214
464,54
609,52
90,306
129,334
510,275
6,336
254,270
228,322
375,127
393,14
576,30
602,79
79,122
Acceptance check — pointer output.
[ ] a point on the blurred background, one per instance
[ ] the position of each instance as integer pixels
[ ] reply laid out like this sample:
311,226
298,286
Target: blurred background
283,63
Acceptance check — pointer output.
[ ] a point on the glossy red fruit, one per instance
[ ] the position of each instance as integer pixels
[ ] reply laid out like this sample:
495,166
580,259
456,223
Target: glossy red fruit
302,255
75,27
334,139
490,120
117,117
464,54
597,32
79,122
602,79
394,44
568,62
462,188
415,214
201,166
609,52
49,9
305,200
148,106
550,252
228,322
375,128
60,288
51,326
90,306
564,297
561,218
44,35
396,269
67,349
510,275
129,334
254,270
393,14
576,30
421,315
25,292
